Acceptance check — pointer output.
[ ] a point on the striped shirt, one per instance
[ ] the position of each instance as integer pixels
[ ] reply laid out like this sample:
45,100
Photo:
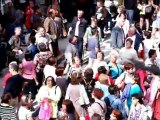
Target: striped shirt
7,112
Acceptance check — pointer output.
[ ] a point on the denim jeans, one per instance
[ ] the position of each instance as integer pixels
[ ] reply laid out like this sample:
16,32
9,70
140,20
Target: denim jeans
130,14
79,47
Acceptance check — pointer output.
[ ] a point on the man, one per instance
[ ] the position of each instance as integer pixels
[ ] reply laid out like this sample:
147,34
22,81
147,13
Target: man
14,84
117,33
78,28
151,61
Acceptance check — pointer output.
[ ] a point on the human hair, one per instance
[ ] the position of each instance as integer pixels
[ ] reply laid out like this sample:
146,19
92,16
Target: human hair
32,39
117,114
14,66
36,8
71,38
147,34
88,73
129,40
136,78
53,81
6,98
102,53
151,53
112,89
128,66
69,106
75,77
101,70
73,60
95,116
139,97
98,93
52,60
42,47
59,71
24,100
28,55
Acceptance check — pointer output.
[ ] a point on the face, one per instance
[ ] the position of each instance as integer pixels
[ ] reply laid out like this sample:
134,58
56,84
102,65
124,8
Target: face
18,31
94,24
74,41
154,56
113,58
99,4
31,4
77,60
49,82
64,108
128,44
99,56
42,31
134,101
80,13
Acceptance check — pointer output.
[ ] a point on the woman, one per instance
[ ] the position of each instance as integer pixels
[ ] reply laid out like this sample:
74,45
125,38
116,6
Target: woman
7,112
50,67
99,61
77,94
28,72
52,92
115,69
98,106
68,111
138,110
116,115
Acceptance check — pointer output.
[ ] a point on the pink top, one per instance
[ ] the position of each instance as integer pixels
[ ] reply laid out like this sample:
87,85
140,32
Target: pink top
28,68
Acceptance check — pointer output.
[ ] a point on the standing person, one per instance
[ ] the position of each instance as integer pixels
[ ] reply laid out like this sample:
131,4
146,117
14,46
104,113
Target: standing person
117,34
14,84
78,28
130,5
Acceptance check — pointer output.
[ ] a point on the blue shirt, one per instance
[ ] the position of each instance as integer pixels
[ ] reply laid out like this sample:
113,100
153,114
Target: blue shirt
33,50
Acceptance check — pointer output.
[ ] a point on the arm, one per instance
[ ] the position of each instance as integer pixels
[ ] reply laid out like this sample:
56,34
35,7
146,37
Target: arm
114,39
67,93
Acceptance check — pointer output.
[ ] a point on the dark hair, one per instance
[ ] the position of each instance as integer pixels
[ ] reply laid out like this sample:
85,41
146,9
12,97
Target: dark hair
136,78
6,97
52,60
112,89
147,34
69,106
75,77
42,47
32,39
129,40
117,114
101,70
98,93
36,8
151,52
71,38
139,97
101,53
28,55
59,71
95,116
128,66
14,66
53,81
88,74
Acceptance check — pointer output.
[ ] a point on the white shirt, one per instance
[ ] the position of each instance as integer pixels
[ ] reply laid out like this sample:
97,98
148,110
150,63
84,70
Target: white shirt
148,44
24,113
41,39
77,28
49,71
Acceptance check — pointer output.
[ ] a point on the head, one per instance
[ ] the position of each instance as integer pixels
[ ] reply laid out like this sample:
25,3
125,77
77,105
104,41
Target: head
31,3
152,54
102,70
68,107
93,18
88,73
13,67
97,93
136,79
131,31
76,60
96,116
129,42
137,99
113,89
59,71
17,31
94,23
41,31
80,13
25,100
6,98
129,67
73,40
100,56
32,39
147,34
42,47
120,9
76,77
37,10
52,61
50,82
28,55
116,115
113,55
100,3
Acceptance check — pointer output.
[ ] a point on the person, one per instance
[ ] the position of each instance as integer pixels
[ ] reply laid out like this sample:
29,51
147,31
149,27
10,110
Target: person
138,110
24,112
116,115
93,47
117,33
152,58
14,84
77,94
6,110
128,53
96,117
68,111
99,61
51,27
50,67
113,100
52,92
78,28
28,72
115,68
98,106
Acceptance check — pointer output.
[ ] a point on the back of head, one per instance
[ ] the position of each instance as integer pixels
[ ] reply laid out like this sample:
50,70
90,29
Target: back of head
96,117
28,55
14,66
52,60
42,47
6,98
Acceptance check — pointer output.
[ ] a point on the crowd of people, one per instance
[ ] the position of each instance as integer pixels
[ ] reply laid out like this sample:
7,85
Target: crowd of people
123,87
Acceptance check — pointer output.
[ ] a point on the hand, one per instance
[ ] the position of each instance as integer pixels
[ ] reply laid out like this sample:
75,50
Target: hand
37,83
